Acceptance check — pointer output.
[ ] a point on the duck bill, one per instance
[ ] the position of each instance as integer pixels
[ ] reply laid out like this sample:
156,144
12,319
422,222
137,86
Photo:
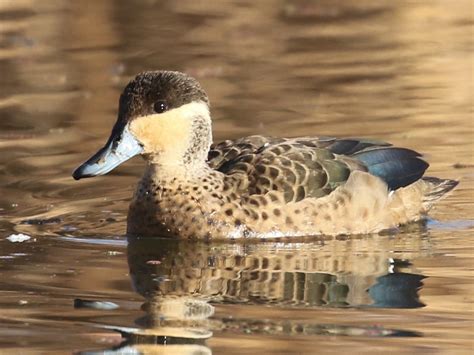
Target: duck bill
120,147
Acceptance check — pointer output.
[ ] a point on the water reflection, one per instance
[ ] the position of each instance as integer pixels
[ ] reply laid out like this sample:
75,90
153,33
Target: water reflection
182,281
303,274
397,290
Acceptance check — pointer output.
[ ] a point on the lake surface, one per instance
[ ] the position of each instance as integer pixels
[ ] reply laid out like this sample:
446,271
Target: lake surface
400,71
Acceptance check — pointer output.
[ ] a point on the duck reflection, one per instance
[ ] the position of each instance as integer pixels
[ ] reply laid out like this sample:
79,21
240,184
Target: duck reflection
182,280
303,274
397,289
233,273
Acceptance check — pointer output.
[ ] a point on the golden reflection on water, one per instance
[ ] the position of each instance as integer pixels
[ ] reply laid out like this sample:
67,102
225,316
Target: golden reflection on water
397,71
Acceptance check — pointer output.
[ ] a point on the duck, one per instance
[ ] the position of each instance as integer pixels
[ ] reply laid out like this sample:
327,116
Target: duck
255,186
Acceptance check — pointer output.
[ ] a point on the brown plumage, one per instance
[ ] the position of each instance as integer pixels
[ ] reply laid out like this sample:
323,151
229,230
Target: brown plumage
254,186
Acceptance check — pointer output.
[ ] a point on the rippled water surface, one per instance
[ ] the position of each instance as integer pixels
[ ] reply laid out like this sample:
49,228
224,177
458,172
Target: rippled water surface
400,71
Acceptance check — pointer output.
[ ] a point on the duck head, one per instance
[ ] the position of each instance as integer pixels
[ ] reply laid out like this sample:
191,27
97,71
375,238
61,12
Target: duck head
164,116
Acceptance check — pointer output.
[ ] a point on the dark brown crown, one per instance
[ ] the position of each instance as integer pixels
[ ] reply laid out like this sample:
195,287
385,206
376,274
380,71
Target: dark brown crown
147,88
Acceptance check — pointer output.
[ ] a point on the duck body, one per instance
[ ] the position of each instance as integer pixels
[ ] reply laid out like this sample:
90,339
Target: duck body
257,186
268,187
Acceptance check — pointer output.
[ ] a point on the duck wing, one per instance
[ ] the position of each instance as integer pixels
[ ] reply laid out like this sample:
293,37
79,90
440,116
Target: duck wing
313,166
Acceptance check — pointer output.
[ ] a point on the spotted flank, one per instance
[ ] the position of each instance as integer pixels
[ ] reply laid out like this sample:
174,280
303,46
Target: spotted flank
257,186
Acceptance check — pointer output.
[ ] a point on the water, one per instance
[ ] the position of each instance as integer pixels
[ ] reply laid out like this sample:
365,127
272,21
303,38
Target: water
396,71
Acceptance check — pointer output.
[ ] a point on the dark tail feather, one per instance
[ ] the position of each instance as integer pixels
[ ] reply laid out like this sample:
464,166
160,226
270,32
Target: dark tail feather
436,189
398,167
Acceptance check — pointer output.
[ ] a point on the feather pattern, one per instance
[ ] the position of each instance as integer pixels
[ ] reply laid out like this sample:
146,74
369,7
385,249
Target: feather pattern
314,166
398,167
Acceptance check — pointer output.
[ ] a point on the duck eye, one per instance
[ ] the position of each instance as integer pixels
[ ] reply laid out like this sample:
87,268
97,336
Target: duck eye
160,106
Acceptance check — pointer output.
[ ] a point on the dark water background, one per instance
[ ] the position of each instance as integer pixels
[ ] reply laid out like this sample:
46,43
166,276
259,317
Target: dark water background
400,71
